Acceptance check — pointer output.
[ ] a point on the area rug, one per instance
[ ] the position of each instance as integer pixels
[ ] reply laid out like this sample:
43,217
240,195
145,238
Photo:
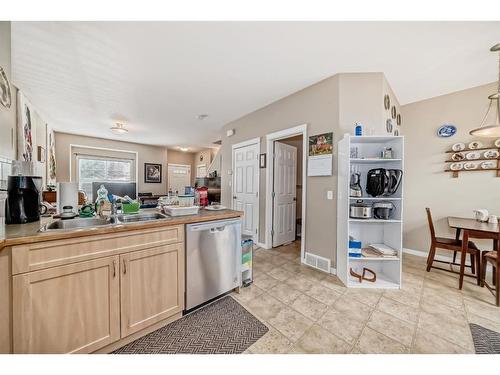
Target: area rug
222,327
486,341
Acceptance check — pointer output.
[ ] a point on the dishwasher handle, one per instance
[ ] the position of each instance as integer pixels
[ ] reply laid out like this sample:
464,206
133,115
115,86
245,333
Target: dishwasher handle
213,226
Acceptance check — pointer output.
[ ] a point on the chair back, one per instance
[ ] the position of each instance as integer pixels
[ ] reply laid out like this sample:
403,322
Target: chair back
431,224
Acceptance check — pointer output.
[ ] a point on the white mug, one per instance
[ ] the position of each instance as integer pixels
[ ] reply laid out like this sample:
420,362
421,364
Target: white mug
492,219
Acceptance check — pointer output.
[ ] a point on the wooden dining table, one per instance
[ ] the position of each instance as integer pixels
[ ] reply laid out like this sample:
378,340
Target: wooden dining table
472,228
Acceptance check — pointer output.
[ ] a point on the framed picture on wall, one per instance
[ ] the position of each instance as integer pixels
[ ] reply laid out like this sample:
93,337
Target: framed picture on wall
152,173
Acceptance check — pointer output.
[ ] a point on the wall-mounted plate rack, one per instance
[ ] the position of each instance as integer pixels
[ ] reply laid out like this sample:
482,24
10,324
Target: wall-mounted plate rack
455,173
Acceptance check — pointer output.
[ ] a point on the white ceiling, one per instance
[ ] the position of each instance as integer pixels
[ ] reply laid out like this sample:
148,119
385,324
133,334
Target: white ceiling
158,76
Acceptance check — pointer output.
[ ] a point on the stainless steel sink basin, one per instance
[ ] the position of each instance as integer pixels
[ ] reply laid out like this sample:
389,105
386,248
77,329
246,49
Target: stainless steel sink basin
133,218
76,224
73,224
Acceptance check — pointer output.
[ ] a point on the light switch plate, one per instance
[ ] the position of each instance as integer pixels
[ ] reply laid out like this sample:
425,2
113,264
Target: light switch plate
329,195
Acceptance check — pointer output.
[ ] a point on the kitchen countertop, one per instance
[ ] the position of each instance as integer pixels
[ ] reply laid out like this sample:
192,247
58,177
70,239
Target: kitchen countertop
18,234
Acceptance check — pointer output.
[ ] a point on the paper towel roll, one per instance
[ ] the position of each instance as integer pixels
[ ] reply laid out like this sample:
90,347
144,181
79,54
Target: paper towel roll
67,195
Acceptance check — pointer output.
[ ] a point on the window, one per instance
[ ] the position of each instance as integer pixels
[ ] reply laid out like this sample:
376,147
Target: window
96,169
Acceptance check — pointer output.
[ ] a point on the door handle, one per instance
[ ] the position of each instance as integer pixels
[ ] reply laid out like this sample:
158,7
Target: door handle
294,199
124,266
114,269
234,197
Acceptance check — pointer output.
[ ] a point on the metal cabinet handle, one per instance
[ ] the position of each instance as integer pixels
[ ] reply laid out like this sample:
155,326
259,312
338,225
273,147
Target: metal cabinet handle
114,268
124,266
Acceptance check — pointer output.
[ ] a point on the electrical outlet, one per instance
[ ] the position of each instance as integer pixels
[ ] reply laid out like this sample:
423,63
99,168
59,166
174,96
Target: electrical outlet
329,195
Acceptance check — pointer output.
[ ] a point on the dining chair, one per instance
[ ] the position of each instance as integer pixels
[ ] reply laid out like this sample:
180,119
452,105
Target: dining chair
491,257
455,245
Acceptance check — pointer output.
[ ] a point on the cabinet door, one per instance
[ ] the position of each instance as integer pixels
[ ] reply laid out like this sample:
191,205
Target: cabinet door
152,286
67,309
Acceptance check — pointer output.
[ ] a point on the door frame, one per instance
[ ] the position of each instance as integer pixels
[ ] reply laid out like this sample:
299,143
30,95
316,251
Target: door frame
270,139
249,142
181,165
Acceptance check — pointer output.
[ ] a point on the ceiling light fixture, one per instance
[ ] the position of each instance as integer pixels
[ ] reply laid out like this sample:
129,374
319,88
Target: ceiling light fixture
493,129
185,149
203,116
119,128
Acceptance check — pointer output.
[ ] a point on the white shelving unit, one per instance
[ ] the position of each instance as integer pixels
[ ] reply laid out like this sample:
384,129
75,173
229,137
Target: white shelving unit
368,231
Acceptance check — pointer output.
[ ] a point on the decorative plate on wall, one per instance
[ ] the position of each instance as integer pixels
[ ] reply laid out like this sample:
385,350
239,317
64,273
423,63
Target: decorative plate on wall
398,119
388,125
5,94
393,112
387,102
447,130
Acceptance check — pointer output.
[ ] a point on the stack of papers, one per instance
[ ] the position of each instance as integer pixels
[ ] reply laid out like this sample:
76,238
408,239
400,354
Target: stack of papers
379,250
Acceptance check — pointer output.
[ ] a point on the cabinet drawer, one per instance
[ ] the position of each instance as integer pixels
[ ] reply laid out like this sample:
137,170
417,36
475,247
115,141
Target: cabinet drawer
41,255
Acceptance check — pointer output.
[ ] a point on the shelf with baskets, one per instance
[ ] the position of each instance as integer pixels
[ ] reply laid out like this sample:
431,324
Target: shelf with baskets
370,230
473,159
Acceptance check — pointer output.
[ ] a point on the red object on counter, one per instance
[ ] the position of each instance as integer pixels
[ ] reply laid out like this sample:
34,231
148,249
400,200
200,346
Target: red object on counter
203,192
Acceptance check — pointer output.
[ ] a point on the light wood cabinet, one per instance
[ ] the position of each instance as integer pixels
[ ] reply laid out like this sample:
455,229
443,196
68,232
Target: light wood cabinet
152,286
67,309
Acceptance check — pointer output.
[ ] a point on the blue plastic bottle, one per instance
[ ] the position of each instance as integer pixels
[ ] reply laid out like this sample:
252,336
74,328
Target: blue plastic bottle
358,130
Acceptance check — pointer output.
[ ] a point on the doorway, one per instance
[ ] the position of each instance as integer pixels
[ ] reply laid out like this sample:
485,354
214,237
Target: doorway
178,177
245,185
286,187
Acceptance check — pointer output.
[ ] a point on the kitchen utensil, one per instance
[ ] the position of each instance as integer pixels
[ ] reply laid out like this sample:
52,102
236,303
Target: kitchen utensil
447,130
456,166
355,185
493,219
488,164
458,146
360,210
491,154
23,199
394,176
472,155
481,214
458,156
383,210
475,144
470,166
387,153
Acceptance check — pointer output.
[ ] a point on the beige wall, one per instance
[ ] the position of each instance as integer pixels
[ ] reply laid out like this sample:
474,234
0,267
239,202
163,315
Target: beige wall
426,185
146,154
7,116
181,157
334,104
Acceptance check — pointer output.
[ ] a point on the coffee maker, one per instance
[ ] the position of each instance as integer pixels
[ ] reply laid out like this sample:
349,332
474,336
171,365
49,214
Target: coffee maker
23,199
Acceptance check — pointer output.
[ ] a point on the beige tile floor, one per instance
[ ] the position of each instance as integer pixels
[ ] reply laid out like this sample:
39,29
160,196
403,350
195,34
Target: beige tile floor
308,311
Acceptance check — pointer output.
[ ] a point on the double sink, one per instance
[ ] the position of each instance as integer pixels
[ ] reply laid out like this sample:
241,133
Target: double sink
72,224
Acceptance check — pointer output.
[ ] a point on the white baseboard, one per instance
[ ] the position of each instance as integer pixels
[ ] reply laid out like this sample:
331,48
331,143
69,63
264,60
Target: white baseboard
424,254
333,271
262,245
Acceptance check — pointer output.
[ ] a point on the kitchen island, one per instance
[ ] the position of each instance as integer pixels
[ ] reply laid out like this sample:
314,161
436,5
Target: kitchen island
91,289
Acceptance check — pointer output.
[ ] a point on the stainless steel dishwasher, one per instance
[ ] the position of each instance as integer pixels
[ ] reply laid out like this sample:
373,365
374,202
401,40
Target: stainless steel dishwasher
213,260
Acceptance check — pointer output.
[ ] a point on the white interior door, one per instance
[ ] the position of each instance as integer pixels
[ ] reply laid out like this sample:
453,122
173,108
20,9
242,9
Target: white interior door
179,176
246,187
285,193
